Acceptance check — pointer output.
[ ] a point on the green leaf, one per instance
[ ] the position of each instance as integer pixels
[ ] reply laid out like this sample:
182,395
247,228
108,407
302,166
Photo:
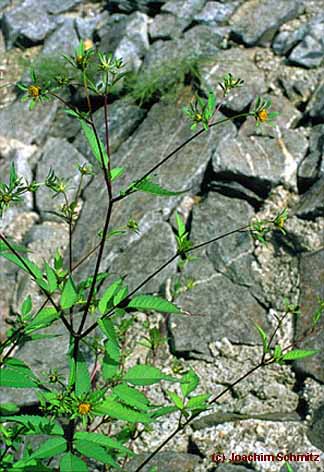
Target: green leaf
288,467
155,189
189,382
146,375
111,358
43,319
116,172
93,143
82,377
26,306
108,328
50,448
8,408
198,402
36,424
22,262
30,465
108,295
72,463
165,410
69,295
132,397
120,295
176,400
103,440
17,377
264,338
151,302
114,409
297,354
51,278
94,451
181,225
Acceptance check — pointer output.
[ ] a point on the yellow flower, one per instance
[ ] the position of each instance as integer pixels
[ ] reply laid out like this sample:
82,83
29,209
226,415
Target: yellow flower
84,408
263,115
88,44
34,91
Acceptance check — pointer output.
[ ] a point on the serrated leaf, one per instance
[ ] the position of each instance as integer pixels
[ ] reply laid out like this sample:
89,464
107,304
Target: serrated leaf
36,424
43,319
103,440
165,410
51,278
155,189
16,374
72,463
22,262
93,143
132,397
108,295
50,448
146,375
297,354
26,306
69,295
94,451
189,382
120,295
108,328
264,338
116,172
176,400
114,409
30,465
198,402
151,302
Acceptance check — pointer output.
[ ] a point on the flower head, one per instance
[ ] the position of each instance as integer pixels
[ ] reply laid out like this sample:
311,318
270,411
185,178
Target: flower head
84,408
261,112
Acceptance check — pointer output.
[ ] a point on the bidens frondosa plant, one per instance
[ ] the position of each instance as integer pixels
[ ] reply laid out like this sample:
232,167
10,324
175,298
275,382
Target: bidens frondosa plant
74,410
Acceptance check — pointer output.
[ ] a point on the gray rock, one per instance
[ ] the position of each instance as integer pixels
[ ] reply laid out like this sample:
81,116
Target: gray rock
311,204
311,287
18,122
111,32
56,7
309,53
134,43
217,311
63,158
232,468
299,85
128,6
166,461
286,40
261,163
309,169
246,24
164,26
233,189
86,26
215,13
315,107
315,432
184,11
162,131
63,41
28,23
123,120
240,63
144,256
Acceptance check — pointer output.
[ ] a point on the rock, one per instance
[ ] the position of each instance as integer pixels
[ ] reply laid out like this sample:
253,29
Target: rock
55,7
311,287
86,26
315,107
162,131
168,461
309,53
63,158
217,311
261,163
127,6
285,41
29,127
315,432
309,169
63,41
134,42
184,12
311,204
232,468
298,84
247,27
19,25
215,13
123,120
111,32
164,26
240,63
